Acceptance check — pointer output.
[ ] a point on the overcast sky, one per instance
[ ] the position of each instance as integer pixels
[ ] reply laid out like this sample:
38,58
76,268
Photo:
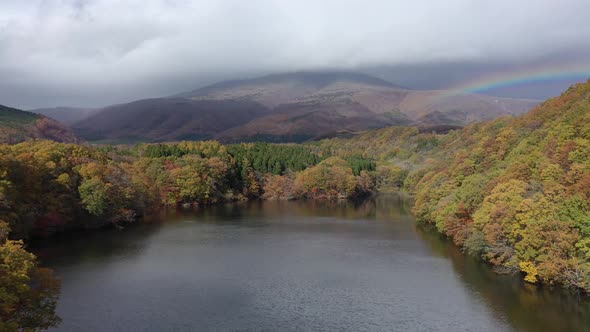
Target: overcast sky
97,52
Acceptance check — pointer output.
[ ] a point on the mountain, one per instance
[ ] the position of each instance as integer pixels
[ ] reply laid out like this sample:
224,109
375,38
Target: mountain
277,89
17,126
291,107
348,107
167,119
309,105
66,115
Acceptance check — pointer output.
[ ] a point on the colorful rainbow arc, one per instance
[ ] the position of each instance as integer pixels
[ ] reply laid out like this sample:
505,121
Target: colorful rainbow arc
529,75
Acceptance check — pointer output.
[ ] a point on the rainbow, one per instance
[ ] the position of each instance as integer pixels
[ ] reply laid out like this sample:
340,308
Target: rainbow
544,73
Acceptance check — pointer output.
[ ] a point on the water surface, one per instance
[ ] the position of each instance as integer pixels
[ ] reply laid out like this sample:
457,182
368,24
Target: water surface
292,266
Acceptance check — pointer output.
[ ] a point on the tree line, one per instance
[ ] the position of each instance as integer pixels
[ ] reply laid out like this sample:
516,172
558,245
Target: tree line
46,187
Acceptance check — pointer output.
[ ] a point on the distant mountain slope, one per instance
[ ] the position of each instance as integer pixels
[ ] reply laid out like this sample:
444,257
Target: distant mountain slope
312,119
291,107
461,108
17,126
273,90
342,107
167,119
66,115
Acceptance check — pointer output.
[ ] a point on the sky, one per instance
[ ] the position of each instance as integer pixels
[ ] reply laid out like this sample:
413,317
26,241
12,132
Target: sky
98,52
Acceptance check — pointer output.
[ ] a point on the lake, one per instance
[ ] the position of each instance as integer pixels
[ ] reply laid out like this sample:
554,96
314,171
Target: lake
292,266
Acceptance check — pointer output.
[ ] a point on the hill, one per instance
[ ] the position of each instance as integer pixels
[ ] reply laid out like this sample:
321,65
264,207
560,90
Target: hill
65,115
167,119
17,126
291,107
517,192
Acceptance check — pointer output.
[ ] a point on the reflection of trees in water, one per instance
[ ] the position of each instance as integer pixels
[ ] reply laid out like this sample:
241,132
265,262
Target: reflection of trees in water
95,246
526,307
99,245
382,207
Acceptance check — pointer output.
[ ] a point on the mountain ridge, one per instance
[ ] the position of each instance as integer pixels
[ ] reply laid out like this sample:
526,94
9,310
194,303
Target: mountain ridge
167,119
282,107
320,78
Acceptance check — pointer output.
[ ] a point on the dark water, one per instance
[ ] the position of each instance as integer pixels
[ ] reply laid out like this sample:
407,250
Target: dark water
282,266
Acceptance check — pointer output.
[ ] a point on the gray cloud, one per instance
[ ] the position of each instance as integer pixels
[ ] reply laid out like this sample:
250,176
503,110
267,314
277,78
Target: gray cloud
93,52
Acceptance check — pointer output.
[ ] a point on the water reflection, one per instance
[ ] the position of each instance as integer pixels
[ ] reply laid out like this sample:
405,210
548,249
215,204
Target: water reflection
93,247
526,307
293,265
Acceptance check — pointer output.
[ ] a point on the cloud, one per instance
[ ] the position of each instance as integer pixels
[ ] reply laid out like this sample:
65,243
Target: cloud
95,51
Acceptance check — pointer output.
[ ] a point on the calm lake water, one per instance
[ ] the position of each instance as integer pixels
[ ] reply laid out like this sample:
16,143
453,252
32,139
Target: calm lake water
292,266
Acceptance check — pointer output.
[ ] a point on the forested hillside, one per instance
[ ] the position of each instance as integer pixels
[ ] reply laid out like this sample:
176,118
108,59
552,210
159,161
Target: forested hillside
18,126
516,191
47,187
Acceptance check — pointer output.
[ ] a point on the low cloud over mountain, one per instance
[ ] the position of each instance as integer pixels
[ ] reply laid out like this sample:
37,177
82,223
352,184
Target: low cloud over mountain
97,52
